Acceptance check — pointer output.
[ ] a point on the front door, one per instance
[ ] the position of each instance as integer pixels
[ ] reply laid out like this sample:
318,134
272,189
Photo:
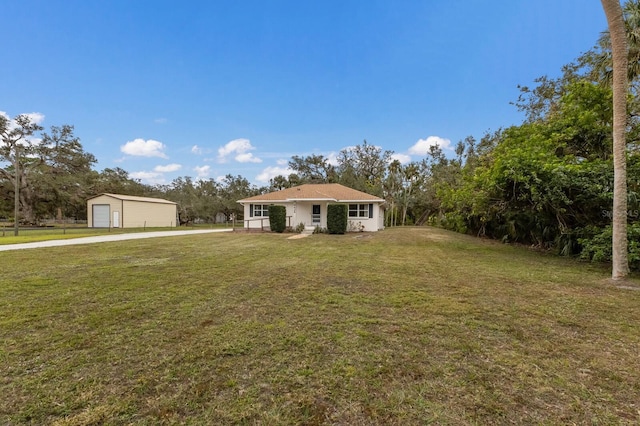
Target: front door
315,214
116,219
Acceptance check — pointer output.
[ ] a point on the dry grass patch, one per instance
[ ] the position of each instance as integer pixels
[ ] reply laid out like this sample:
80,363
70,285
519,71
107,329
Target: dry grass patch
406,326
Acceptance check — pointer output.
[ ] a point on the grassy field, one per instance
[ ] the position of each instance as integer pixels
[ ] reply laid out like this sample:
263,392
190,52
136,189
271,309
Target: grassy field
406,326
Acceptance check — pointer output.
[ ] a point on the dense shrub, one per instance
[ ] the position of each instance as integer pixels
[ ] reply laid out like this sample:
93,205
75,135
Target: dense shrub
337,218
278,218
598,247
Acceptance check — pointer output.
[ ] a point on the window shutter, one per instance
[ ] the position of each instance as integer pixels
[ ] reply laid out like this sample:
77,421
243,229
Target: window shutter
370,210
250,210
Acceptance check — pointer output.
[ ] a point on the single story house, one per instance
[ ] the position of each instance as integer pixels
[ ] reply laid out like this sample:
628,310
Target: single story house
307,204
127,211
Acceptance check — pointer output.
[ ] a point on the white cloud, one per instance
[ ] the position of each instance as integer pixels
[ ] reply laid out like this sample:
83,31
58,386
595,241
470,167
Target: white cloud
141,148
402,158
271,172
237,145
161,120
332,158
144,175
241,148
202,171
151,178
198,150
247,157
422,146
35,117
168,168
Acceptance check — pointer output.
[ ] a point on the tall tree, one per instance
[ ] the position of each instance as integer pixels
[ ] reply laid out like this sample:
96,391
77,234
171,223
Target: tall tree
61,181
412,179
392,186
363,167
280,182
52,173
182,191
600,59
313,169
15,149
619,49
208,205
232,189
117,181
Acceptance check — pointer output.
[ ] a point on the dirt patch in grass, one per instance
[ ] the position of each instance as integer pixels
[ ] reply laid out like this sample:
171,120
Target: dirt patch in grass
297,236
623,284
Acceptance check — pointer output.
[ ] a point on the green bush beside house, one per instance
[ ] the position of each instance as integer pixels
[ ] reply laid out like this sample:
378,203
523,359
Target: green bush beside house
278,218
337,218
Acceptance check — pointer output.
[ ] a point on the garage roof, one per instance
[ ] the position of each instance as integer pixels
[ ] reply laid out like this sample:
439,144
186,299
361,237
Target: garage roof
134,198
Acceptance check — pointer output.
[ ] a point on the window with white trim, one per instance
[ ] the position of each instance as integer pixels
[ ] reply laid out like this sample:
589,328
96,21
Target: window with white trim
260,210
359,210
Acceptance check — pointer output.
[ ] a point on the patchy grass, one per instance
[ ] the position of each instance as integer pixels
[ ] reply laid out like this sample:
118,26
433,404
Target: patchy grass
406,326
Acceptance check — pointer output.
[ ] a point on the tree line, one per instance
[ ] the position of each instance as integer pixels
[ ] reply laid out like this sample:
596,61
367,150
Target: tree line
547,182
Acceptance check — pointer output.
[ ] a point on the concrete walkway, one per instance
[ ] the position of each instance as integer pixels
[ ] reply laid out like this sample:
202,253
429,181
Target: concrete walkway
107,238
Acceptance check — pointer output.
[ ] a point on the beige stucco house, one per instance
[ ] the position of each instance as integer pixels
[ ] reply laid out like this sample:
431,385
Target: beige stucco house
127,211
307,204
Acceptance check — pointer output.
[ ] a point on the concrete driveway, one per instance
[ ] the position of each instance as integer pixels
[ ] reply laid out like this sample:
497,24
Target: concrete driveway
107,238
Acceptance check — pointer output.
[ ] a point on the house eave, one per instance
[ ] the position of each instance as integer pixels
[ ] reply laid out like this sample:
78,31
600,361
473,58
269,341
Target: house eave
261,201
289,200
312,199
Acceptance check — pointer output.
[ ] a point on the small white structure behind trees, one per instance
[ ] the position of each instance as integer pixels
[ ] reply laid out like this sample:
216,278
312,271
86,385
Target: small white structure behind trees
127,211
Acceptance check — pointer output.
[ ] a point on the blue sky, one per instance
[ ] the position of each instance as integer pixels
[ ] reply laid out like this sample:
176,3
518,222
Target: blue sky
205,88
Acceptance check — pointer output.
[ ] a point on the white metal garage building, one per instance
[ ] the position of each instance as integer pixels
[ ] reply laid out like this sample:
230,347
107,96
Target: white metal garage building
127,211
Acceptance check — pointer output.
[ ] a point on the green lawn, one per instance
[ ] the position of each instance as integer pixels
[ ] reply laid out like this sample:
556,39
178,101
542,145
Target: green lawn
406,326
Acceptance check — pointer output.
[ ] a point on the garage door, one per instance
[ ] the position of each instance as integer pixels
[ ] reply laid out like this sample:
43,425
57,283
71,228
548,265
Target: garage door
100,215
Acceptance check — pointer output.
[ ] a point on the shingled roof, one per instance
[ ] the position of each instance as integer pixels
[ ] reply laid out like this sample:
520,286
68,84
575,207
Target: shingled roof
315,192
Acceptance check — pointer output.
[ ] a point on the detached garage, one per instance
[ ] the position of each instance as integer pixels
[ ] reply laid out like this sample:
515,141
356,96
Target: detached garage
127,211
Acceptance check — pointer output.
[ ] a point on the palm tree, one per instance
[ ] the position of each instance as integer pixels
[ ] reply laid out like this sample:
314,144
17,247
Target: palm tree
619,53
600,60
392,185
632,27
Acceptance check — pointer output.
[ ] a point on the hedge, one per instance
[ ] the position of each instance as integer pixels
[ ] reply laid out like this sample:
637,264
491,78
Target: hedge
277,218
337,218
